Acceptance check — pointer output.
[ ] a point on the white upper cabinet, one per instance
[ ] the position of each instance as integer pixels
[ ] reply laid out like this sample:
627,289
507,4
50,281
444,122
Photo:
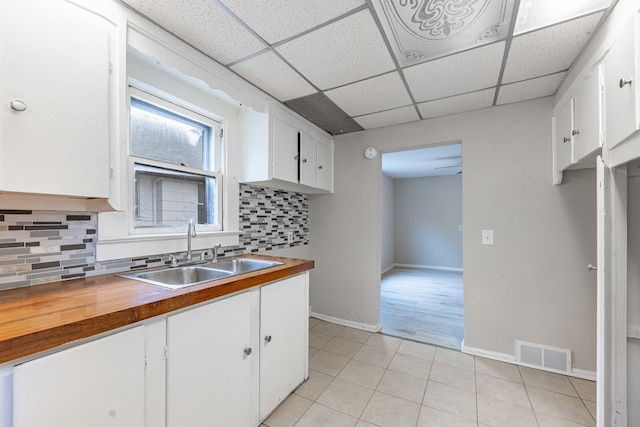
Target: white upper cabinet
55,87
284,153
587,122
621,85
563,124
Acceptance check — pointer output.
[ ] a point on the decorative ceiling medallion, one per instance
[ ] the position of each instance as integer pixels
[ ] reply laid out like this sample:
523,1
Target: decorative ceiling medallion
420,30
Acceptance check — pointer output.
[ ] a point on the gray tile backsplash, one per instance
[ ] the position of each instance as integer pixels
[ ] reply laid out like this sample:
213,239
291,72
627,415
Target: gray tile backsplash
46,246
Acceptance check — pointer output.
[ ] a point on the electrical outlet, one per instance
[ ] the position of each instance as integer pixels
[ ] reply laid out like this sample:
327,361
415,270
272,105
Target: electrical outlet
289,237
487,237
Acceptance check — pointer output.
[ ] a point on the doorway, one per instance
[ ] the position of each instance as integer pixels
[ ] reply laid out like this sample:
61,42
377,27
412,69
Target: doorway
421,291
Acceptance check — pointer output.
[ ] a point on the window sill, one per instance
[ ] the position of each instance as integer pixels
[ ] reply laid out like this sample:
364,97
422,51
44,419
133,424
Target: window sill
111,248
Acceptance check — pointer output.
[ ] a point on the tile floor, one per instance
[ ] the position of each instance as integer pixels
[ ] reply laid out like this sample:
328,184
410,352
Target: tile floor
361,379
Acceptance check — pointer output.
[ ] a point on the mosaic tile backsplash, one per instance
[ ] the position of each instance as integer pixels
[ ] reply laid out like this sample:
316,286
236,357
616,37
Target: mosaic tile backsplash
46,246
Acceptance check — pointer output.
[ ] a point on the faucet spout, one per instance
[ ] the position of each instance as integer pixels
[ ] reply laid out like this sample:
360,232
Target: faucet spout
191,232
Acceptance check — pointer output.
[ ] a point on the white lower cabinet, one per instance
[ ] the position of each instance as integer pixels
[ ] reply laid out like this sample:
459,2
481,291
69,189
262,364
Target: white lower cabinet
99,383
284,323
212,364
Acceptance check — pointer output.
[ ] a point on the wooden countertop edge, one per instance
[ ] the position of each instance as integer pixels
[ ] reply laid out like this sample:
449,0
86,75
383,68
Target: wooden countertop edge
160,303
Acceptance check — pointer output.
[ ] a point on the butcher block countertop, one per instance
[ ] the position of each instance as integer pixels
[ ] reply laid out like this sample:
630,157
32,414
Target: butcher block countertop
41,317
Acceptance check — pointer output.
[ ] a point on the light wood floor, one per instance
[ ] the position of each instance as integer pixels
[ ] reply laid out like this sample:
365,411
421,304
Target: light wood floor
423,305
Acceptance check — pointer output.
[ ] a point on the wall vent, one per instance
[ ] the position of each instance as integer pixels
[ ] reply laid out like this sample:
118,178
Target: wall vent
543,357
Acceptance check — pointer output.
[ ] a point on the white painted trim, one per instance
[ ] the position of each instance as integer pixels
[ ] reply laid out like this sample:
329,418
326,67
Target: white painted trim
508,358
633,332
430,267
349,323
387,269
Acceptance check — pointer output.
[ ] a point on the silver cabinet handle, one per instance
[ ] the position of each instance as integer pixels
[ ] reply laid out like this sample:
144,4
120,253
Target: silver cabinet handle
18,105
247,351
304,160
624,82
575,132
296,157
591,267
267,338
566,139
320,167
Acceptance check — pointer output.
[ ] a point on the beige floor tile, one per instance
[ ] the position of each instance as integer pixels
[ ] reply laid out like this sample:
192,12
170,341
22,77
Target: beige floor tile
321,416
361,373
327,363
312,351
402,385
453,400
548,381
499,413
455,358
410,365
415,349
591,407
560,406
545,420
384,341
318,340
342,347
431,417
586,389
363,423
314,385
374,355
500,389
495,368
386,410
328,328
288,412
313,322
356,335
345,397
454,376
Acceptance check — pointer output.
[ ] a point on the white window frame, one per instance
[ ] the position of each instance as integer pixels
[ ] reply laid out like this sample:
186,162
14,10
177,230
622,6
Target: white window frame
181,108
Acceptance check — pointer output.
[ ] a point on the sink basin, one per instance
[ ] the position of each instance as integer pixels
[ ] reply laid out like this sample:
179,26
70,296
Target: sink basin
242,265
179,277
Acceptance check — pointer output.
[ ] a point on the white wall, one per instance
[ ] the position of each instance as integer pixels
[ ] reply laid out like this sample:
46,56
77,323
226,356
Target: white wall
388,233
428,212
633,291
531,285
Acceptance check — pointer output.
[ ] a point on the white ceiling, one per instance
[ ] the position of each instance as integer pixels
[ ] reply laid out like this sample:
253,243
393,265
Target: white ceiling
346,65
432,161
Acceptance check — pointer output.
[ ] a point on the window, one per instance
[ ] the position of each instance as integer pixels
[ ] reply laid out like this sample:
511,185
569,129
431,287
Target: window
175,157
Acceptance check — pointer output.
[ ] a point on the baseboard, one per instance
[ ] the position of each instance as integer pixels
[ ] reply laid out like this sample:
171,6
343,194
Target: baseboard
430,267
349,323
387,269
503,357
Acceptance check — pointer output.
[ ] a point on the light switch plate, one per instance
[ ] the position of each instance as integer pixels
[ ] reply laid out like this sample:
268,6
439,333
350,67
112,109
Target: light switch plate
487,237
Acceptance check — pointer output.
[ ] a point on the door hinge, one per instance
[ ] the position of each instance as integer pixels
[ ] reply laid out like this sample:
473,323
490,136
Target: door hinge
221,133
110,67
145,360
165,353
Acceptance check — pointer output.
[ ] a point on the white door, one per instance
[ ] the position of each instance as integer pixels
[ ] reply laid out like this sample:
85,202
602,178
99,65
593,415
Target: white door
611,296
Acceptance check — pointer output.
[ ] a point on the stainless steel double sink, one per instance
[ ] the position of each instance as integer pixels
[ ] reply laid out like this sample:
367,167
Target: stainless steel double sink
189,275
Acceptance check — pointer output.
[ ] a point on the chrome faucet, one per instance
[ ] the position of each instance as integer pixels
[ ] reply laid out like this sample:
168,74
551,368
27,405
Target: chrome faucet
215,251
191,232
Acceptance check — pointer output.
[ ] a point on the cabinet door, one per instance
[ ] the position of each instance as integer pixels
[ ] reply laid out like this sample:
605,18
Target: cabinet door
587,121
308,160
54,96
100,383
564,121
285,151
325,167
212,364
621,87
284,323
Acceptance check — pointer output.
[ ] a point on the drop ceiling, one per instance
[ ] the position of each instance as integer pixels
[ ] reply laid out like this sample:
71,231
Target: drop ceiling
349,65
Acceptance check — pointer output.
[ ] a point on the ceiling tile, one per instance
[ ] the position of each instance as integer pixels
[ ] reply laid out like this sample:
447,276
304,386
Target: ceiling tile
277,20
529,89
225,40
274,76
343,52
533,14
388,118
457,104
338,127
317,108
368,96
549,50
468,71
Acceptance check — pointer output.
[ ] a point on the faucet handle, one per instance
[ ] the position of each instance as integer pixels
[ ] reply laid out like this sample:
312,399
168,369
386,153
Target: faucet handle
174,261
215,251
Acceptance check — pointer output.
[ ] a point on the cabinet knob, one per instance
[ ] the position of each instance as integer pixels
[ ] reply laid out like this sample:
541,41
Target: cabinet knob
575,132
624,82
590,267
566,139
18,105
247,351
267,338
304,160
296,157
320,167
